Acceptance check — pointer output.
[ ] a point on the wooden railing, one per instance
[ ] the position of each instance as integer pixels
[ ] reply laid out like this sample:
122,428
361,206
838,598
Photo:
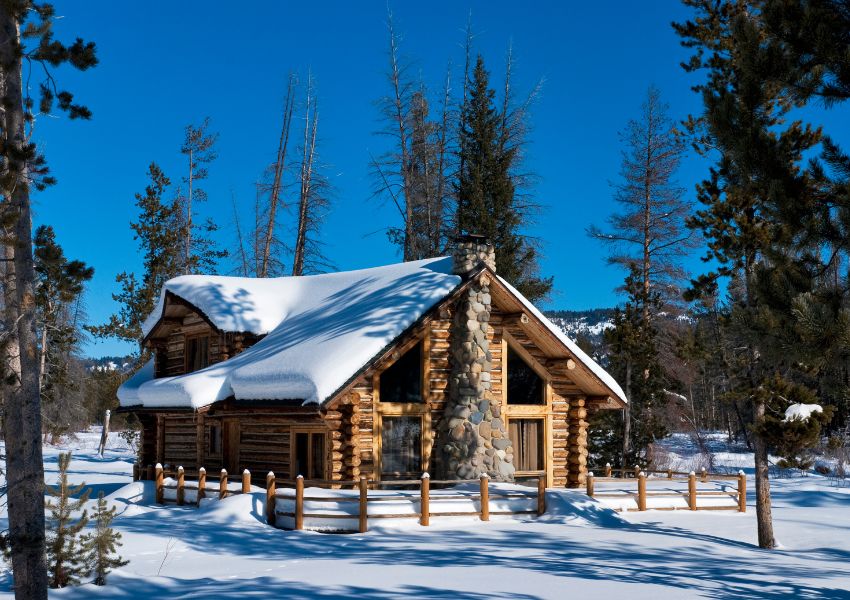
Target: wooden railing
425,501
692,494
200,486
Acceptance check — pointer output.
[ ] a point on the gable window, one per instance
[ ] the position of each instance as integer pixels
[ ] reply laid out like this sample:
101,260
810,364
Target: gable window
197,353
524,385
402,381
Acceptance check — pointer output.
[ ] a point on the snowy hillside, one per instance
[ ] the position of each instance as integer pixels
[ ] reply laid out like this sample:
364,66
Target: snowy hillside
225,550
587,323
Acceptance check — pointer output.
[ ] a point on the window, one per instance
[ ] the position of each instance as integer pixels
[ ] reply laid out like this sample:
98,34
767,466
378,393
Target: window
197,353
527,438
401,445
215,439
524,385
402,381
309,455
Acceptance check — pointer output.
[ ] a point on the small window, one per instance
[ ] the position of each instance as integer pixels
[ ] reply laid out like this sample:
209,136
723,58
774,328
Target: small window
527,439
402,381
197,353
309,455
524,385
401,445
215,439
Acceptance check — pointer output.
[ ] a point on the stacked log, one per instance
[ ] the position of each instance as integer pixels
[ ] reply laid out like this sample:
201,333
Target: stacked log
577,460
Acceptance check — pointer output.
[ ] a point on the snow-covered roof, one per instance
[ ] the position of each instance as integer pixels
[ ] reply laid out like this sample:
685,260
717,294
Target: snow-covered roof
321,331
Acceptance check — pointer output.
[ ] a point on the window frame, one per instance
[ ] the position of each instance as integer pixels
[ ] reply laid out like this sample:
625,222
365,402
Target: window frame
404,409
293,446
186,355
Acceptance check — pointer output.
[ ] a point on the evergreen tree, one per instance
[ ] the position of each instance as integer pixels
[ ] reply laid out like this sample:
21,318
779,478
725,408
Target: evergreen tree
101,546
487,203
29,58
159,238
59,287
65,556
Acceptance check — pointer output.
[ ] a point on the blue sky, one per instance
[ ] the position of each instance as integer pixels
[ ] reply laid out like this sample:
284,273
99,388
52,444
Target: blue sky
166,64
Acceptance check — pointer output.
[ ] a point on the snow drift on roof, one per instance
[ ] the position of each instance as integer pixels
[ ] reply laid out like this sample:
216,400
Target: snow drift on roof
328,327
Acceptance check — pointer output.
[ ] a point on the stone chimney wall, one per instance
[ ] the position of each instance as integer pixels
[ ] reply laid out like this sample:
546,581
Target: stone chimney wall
473,436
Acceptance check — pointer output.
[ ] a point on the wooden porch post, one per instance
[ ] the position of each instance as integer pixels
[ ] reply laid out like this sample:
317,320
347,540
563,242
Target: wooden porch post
577,435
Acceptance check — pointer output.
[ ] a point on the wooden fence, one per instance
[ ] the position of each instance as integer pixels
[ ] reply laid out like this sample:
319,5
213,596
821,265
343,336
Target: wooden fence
692,494
425,499
199,486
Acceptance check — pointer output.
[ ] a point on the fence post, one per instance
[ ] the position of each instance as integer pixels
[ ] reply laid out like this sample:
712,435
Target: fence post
246,481
641,491
299,502
607,469
541,495
271,504
704,475
222,485
485,497
742,492
202,484
136,471
181,481
637,471
150,473
692,490
590,484
363,513
669,473
160,482
425,500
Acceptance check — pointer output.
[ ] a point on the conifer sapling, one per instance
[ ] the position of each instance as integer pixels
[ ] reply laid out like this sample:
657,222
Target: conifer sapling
65,563
101,545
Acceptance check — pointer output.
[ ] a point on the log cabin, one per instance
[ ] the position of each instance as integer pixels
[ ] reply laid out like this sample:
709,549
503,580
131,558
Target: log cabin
436,365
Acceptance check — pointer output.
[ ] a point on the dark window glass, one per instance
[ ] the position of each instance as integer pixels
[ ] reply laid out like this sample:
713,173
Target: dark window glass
402,381
527,439
215,439
309,458
524,385
197,353
302,444
401,445
317,455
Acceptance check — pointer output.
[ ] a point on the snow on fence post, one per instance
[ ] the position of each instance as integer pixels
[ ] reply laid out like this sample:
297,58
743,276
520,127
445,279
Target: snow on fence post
246,481
704,475
222,485
363,508
150,473
541,494
202,485
742,492
590,484
299,502
160,482
425,500
641,491
181,481
692,490
485,497
637,471
271,504
669,473
607,469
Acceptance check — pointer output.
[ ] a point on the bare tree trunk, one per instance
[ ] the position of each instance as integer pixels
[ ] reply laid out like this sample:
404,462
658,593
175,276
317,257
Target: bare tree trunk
279,165
764,517
22,422
187,267
306,181
104,433
627,414
243,255
399,113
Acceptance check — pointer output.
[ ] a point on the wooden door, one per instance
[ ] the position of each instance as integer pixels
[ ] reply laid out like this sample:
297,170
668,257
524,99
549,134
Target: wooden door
230,445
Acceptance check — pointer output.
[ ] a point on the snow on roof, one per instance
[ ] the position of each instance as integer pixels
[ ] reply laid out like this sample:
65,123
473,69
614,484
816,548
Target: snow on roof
321,330
801,412
580,354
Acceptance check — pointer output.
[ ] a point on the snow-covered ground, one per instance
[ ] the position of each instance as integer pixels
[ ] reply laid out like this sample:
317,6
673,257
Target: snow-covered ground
579,549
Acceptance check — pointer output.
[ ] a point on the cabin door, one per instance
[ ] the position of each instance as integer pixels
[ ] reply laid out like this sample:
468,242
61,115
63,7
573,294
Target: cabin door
230,445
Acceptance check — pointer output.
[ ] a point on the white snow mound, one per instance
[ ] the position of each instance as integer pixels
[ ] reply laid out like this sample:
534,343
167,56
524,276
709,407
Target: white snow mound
801,412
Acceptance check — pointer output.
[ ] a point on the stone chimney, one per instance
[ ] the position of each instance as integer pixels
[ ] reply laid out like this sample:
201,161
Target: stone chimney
470,250
473,438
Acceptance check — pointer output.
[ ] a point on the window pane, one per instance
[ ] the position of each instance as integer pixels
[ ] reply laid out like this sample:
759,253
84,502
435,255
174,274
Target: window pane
527,439
197,353
402,381
317,450
299,464
524,385
401,445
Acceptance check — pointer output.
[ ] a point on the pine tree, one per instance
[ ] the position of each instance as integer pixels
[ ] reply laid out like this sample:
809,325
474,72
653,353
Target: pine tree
59,287
159,238
101,546
65,557
487,203
29,58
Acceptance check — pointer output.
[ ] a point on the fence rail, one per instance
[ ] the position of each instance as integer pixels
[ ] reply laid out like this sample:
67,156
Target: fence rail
276,489
691,495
